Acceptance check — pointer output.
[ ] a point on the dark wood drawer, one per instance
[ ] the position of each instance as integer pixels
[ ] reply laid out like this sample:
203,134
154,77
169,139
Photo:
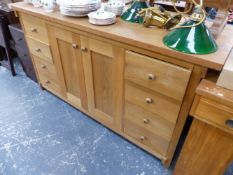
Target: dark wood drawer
18,35
22,53
26,62
29,69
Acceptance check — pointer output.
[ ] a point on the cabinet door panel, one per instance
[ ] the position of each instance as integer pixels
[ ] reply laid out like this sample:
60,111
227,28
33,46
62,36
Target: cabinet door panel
65,47
102,80
70,68
103,66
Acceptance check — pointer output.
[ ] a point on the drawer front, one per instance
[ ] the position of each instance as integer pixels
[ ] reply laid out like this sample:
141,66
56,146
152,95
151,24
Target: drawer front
49,83
18,37
22,53
148,139
156,103
215,113
156,75
35,28
149,121
45,68
40,49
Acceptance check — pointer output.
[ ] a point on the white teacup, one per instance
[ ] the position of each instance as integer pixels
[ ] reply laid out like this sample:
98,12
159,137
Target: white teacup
48,5
36,3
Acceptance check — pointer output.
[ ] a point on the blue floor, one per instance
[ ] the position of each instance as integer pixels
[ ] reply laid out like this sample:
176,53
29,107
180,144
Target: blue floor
42,135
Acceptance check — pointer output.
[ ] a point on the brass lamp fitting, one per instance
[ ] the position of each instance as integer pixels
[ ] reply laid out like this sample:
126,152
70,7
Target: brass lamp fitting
198,14
157,16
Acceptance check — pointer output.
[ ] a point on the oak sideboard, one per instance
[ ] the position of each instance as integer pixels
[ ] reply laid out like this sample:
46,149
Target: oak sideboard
120,75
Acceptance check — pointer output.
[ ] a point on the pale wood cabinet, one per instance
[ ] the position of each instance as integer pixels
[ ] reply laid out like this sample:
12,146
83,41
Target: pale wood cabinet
65,47
138,94
103,66
208,148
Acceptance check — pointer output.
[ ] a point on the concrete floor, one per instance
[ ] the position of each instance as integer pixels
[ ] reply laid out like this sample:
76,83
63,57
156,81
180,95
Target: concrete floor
42,135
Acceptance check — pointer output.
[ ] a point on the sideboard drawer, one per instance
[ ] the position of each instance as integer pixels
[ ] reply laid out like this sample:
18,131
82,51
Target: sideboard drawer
45,68
49,83
165,78
150,140
40,49
35,28
149,121
161,105
214,113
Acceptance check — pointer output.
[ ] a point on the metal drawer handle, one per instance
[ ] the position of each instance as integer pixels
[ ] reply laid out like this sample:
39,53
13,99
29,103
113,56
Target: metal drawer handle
37,49
75,46
83,49
149,100
151,76
20,39
146,121
142,138
43,66
229,123
33,30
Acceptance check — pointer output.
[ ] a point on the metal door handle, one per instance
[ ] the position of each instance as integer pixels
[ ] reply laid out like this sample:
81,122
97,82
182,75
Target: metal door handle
229,123
149,100
75,46
83,49
151,76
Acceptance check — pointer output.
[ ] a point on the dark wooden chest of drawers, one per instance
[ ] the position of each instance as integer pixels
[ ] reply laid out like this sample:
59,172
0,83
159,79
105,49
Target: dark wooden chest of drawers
22,50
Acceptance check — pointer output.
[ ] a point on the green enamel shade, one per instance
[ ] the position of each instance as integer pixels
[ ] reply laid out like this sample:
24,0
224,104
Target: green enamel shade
194,40
131,14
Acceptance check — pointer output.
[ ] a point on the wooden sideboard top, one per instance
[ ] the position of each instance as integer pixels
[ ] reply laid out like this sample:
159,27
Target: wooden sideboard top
210,90
138,36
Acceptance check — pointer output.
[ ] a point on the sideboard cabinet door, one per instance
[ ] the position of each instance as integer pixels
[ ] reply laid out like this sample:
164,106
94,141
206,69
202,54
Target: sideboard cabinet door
66,51
103,67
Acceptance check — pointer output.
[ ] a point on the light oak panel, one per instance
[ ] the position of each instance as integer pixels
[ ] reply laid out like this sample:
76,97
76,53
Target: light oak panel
207,150
103,66
40,49
156,75
69,65
66,50
35,28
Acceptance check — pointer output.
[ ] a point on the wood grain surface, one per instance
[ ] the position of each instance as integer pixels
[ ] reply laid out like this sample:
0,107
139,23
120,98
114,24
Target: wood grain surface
139,36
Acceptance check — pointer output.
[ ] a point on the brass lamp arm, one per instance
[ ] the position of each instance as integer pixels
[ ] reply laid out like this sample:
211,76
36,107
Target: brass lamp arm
190,26
190,7
180,12
196,4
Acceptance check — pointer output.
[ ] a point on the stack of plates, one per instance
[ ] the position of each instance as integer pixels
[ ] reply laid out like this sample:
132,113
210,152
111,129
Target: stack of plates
115,7
102,18
79,8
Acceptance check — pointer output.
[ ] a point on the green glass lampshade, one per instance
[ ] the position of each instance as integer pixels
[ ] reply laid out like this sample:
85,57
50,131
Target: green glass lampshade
194,40
131,14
